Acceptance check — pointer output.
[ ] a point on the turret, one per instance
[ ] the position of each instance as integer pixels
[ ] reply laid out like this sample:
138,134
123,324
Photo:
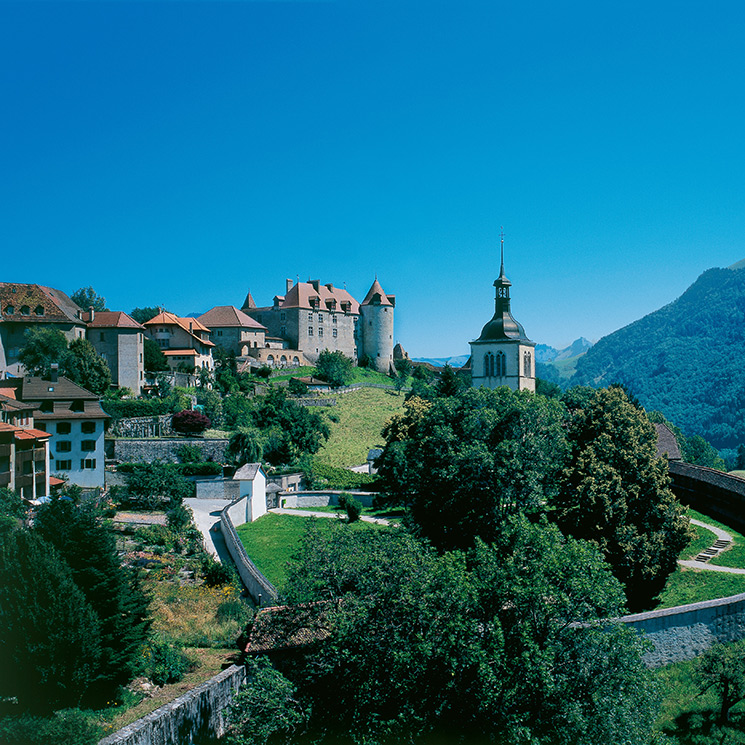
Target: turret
375,336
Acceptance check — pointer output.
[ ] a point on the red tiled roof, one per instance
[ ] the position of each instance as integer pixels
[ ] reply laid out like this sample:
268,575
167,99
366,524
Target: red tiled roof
24,434
376,295
328,297
190,325
179,352
222,316
53,305
112,319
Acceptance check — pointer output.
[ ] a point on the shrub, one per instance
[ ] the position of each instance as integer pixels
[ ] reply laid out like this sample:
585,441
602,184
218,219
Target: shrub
215,573
66,727
264,371
121,409
165,662
190,422
188,453
178,518
297,387
322,475
352,506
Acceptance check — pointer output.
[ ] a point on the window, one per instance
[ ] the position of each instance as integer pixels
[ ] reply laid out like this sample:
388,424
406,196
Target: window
334,333
46,406
320,318
102,336
88,464
10,310
283,316
63,465
501,365
310,331
333,318
25,310
77,406
219,332
88,428
42,427
4,464
527,368
310,316
39,310
283,331
64,446
320,332
88,446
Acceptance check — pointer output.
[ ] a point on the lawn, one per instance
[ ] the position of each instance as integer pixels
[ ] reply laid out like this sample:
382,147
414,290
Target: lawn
362,415
271,540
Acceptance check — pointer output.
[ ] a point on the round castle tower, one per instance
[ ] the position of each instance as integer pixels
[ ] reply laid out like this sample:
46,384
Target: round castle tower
376,318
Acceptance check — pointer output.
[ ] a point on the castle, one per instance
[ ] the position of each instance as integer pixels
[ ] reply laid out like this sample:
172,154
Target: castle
311,317
503,354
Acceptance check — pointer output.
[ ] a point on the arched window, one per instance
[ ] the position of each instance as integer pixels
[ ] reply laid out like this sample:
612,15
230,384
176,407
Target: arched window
489,365
270,360
39,310
527,367
501,365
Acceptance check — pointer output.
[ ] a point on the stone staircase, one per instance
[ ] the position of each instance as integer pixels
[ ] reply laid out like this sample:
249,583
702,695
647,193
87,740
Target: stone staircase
714,550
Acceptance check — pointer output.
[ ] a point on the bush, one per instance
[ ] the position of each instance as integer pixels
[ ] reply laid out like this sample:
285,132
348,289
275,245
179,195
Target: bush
124,409
208,468
189,454
66,727
264,371
215,573
297,387
165,662
190,422
352,506
178,518
322,475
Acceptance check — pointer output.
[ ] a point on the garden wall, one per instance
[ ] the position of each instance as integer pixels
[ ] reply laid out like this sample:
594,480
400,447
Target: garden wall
217,488
687,631
195,717
261,590
310,499
141,450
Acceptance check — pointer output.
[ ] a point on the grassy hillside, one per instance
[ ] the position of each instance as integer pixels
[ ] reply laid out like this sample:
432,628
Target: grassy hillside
361,416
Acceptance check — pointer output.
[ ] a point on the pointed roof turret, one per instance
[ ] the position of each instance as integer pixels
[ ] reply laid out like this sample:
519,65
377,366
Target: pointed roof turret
248,303
377,296
503,325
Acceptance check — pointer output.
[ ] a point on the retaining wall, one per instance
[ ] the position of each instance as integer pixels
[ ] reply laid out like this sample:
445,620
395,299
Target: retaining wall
197,716
141,450
217,488
310,499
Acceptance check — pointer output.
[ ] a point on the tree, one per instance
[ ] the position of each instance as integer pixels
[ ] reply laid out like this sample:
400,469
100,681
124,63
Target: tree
244,447
189,422
334,368
154,359
465,462
86,297
449,384
143,315
113,592
615,491
43,347
510,640
155,483
84,366
49,634
723,668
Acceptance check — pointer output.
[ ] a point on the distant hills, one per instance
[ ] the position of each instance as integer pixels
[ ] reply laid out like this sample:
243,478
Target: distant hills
456,362
685,360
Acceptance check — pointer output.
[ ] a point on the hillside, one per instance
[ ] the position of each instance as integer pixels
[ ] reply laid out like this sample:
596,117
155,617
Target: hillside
685,359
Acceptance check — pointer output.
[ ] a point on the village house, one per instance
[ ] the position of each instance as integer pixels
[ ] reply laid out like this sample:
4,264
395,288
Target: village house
234,330
184,341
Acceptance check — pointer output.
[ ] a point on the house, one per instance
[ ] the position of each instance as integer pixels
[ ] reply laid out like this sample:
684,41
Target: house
252,480
73,418
120,340
184,341
27,306
312,317
234,330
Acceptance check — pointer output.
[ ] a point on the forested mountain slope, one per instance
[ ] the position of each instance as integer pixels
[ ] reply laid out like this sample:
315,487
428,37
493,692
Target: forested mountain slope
685,360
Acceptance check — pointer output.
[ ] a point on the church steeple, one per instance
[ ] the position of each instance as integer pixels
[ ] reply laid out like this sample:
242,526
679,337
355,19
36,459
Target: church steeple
502,300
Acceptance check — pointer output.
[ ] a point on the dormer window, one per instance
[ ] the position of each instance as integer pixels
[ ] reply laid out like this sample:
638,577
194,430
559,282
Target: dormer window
10,310
39,310
25,310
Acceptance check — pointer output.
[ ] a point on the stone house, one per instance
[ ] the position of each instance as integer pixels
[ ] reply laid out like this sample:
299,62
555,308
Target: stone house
234,330
120,340
184,341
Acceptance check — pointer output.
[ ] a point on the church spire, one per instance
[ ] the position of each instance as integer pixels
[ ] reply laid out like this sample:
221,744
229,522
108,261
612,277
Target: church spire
502,299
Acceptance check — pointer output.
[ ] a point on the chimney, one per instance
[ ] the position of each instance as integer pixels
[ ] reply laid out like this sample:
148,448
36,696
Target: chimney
91,313
288,285
54,372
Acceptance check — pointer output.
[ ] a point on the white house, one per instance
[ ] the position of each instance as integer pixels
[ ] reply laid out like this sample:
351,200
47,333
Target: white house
252,485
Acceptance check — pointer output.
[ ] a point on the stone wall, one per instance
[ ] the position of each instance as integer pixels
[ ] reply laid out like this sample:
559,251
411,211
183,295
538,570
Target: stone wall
687,631
217,488
142,450
143,426
310,499
261,590
197,716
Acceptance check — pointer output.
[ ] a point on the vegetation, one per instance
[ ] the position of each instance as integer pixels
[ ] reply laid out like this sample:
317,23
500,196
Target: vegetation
154,359
334,368
684,359
478,650
152,485
143,315
87,298
188,422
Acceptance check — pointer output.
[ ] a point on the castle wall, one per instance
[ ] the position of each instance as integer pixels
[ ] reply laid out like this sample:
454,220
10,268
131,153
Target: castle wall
377,335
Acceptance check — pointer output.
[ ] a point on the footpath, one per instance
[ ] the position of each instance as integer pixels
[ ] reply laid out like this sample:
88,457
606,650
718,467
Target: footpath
722,543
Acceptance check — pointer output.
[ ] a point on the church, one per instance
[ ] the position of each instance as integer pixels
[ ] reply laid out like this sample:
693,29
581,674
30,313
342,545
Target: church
503,354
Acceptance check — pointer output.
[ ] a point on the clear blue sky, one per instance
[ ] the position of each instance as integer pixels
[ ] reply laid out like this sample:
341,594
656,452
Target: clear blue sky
180,153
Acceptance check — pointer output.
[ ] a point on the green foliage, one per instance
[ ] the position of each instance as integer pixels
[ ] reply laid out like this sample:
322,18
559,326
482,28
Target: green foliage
215,573
352,506
449,383
237,410
245,447
189,422
615,491
467,461
11,503
684,359
722,668
66,727
143,315
154,359
264,372
178,518
42,348
165,662
84,366
50,637
86,297
334,368
296,387
189,453
113,592
692,449
124,409
211,403
266,709
153,484
323,476
509,641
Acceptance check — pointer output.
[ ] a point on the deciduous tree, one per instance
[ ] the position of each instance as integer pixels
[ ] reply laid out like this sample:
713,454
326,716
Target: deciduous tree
42,347
334,367
84,366
86,297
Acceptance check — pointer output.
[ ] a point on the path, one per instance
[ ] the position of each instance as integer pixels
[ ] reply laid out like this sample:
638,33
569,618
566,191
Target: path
206,514
723,542
311,513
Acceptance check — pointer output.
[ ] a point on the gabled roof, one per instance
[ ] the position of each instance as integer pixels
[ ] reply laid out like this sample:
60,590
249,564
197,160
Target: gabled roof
190,325
327,297
111,319
38,389
42,304
247,472
376,296
228,316
667,443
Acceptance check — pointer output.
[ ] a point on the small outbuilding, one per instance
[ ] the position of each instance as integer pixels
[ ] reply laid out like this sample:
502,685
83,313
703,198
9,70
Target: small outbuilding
252,485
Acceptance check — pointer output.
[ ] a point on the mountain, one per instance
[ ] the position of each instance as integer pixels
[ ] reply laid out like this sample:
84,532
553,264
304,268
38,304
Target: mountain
685,359
575,349
456,362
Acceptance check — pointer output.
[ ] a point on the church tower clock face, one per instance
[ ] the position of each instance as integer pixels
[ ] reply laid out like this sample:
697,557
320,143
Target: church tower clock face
503,355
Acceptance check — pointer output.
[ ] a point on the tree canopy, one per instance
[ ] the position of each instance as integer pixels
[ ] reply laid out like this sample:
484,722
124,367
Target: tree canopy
86,297
334,367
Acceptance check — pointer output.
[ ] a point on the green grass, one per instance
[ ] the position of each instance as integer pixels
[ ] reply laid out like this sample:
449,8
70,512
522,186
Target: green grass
271,540
732,557
362,415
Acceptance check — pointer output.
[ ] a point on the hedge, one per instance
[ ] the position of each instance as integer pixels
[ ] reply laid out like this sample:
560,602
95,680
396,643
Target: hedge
208,468
128,408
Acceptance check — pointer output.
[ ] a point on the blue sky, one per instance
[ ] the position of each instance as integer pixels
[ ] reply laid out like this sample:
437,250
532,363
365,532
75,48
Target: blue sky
180,153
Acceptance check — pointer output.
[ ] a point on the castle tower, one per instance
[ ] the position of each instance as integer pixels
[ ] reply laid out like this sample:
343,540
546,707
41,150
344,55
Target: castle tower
503,354
375,337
